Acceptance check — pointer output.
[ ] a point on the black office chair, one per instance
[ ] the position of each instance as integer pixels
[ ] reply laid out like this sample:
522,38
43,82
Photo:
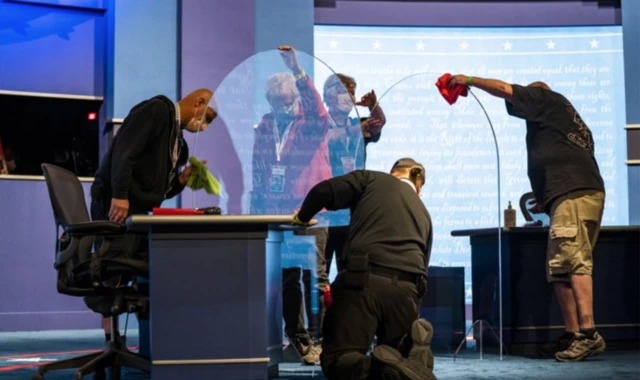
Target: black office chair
82,272
527,201
533,216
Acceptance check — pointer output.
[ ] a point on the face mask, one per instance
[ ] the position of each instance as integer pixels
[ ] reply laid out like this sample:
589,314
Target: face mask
344,102
285,113
197,124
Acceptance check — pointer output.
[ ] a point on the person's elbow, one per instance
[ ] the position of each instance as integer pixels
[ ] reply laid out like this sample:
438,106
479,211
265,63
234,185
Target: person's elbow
323,190
507,92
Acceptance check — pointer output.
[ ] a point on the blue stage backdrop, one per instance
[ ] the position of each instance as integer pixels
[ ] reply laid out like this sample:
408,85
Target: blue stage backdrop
455,142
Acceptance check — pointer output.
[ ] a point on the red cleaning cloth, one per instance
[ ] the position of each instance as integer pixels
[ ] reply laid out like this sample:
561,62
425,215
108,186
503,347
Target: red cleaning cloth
175,211
327,299
450,94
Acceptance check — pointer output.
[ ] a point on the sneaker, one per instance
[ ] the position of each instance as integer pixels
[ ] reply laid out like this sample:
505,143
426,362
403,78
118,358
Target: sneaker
313,355
561,344
582,348
301,348
385,356
421,335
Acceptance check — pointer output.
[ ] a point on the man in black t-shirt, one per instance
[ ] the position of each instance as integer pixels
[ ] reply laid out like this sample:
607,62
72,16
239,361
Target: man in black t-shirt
566,180
380,290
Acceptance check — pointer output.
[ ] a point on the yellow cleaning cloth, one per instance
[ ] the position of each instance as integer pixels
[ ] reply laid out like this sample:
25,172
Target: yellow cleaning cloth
201,178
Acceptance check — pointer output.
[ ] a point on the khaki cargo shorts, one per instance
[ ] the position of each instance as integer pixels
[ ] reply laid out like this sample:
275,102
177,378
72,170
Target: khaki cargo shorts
575,225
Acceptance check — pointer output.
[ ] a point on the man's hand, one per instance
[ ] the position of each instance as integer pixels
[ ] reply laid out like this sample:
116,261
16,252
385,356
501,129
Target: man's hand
369,100
458,80
298,222
290,58
371,127
119,210
186,173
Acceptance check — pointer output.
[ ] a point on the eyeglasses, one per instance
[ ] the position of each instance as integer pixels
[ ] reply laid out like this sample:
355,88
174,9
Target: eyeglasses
345,87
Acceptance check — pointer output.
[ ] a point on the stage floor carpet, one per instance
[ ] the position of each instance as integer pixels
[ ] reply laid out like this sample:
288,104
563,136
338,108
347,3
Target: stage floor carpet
22,352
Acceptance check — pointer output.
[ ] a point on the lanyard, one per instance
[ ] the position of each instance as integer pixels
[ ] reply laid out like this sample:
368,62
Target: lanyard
175,152
280,142
345,141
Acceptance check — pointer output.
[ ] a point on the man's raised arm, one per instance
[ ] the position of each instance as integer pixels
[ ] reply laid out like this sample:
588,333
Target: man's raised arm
494,87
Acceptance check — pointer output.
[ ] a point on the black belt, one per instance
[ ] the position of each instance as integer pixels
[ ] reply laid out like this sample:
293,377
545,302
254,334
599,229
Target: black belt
395,273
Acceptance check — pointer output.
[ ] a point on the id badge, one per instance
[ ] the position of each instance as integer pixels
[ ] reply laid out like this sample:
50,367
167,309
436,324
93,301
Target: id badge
348,164
277,179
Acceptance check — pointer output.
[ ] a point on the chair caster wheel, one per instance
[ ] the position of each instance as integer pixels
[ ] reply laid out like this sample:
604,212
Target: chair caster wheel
100,374
37,377
115,373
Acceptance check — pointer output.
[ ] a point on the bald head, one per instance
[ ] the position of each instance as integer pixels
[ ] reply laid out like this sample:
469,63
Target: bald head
193,106
540,84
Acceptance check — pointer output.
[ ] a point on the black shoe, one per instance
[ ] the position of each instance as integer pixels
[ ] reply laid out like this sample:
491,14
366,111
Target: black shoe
561,344
385,356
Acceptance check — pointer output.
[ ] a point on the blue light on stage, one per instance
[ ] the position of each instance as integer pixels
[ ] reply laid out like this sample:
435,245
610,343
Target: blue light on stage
51,49
454,142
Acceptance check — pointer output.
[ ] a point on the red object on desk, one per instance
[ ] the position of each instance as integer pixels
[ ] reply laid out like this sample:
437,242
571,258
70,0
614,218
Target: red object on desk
450,94
176,211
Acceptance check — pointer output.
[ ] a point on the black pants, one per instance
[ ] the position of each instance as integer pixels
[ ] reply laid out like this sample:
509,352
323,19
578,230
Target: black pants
336,240
386,307
293,309
128,246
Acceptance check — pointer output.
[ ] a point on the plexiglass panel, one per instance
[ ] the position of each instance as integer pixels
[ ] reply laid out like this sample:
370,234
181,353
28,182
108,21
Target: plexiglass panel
290,122
279,127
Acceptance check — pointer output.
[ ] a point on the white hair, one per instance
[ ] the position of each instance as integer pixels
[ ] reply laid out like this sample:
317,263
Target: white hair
280,83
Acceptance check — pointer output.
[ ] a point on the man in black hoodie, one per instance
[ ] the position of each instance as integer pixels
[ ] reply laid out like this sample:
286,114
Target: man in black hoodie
140,169
380,289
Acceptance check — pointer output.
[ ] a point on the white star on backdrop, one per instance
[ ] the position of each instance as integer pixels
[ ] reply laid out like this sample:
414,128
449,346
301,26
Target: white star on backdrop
420,45
464,46
333,44
469,292
551,45
594,43
507,45
377,45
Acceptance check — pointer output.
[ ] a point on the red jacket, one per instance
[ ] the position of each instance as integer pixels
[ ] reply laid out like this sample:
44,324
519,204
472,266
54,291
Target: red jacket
304,155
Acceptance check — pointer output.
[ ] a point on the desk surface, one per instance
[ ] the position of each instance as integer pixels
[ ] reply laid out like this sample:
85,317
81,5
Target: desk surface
138,221
533,230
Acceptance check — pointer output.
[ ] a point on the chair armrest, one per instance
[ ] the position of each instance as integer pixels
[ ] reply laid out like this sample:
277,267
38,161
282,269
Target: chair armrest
102,228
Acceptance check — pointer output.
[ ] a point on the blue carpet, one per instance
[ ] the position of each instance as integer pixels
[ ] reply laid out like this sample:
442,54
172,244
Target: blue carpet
20,353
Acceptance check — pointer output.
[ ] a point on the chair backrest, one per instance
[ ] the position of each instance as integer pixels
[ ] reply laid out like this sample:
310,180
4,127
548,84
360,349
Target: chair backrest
527,201
67,200
66,194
